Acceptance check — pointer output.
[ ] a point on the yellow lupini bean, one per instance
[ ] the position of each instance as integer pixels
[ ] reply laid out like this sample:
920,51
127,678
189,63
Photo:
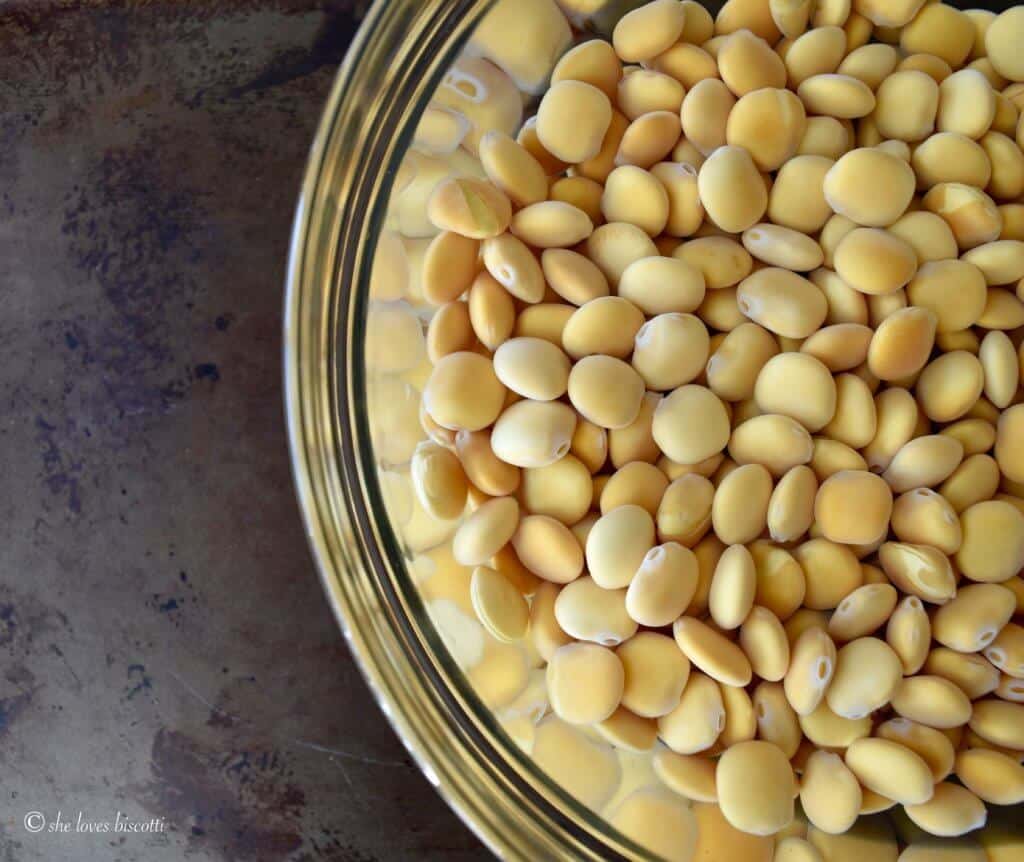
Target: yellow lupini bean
908,102
797,385
551,224
514,267
739,511
952,811
969,671
486,531
656,673
923,462
670,350
605,391
991,776
635,196
696,721
645,91
572,276
548,549
491,311
618,544
684,514
853,507
950,385
533,368
687,63
733,588
561,490
463,392
582,192
929,236
862,612
919,570
777,723
791,507
971,214
585,683
499,606
824,136
931,745
469,207
810,671
831,570
685,209
780,580
593,62
712,652
754,782
747,63
511,168
902,344
589,612
438,480
778,442
933,701
614,246
692,776
769,124
572,120
705,113
999,722
890,769
1002,41
797,198
972,620
993,546
731,189
845,191
953,290
1010,443
636,483
909,634
691,424
740,720
867,674
662,285
722,261
663,586
817,52
829,793
1002,369
782,302
1006,652
974,481
648,31
841,346
765,644
874,261
827,730
796,849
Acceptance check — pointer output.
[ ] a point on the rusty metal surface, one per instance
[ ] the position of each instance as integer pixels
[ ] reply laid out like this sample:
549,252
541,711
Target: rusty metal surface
165,650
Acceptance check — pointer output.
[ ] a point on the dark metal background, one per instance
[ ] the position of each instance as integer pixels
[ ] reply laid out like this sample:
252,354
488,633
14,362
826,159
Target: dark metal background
165,648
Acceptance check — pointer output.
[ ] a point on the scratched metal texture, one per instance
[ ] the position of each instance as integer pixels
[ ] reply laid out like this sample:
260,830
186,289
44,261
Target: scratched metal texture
165,649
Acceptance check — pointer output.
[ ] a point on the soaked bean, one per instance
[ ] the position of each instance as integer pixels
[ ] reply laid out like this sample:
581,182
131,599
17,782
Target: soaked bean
1002,42
950,385
831,570
933,701
970,213
755,787
797,198
972,620
991,776
827,730
783,302
705,113
572,120
993,546
722,261
967,104
663,586
594,62
635,196
953,810
463,392
829,793
890,769
486,531
692,776
696,721
548,549
691,424
649,30
670,350
731,189
614,246
1009,452
585,683
551,224
656,673
875,262
533,433
778,442
764,641
840,96
923,462
645,91
582,192
922,516
588,612
499,606
740,506
684,514
769,124
635,442
919,570
471,208
438,480
733,588
687,63
662,285
618,544
740,721
545,320
862,612
902,344
514,267
712,652
867,674
747,63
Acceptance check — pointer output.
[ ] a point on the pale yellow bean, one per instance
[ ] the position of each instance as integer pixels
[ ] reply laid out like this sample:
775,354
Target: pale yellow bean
532,368
797,198
691,424
645,91
972,620
463,392
1009,447
746,63
968,671
511,168
933,701
589,612
636,483
1007,170
952,811
598,166
656,673
891,769
833,95
974,481
645,32
469,207
782,302
817,52
572,120
796,849
731,189
810,671
993,545
486,531
975,435
854,422
940,30
824,136
712,652
533,433
705,113
778,442
783,247
551,224
845,187
663,586
722,261
908,103
635,196
692,776
971,214
604,326
659,285
909,634
561,490
696,721
829,793
593,62
635,442
902,344
687,63
967,104
670,350
1002,42
867,674
684,514
685,209
614,246
1003,310
950,385
617,545
572,276
919,570
732,588
548,549
924,517
584,682
831,570
740,720
545,320
582,192
797,385
862,612
990,775
764,641
827,730
514,267
769,124
755,786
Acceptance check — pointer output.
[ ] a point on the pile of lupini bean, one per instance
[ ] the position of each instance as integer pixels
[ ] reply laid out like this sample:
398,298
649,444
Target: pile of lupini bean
727,367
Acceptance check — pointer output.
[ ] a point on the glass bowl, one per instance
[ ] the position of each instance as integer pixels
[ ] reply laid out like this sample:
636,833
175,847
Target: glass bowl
354,367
